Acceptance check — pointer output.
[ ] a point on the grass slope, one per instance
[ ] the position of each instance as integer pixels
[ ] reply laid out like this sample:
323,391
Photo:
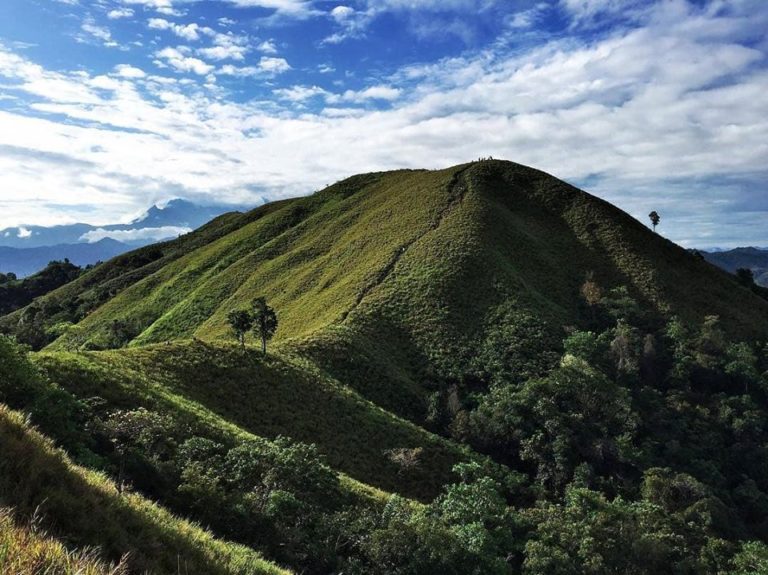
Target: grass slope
234,391
86,509
490,226
400,282
24,550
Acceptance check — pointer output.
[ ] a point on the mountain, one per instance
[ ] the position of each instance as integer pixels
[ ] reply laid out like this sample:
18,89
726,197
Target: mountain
335,260
25,250
176,217
26,261
755,259
475,370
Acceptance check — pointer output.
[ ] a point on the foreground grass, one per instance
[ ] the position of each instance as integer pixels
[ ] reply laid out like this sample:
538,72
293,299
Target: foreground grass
86,508
25,550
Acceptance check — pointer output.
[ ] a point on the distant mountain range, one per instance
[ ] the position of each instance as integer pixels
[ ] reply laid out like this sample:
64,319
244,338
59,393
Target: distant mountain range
755,259
25,250
26,261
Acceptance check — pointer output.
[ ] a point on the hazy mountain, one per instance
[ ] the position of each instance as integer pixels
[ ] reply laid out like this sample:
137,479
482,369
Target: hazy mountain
755,259
27,261
27,249
176,217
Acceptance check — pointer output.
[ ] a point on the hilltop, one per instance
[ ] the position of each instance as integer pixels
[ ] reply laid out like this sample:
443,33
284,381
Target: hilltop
484,333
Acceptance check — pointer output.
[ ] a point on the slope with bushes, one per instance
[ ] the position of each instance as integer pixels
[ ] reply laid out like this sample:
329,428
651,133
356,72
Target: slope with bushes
86,508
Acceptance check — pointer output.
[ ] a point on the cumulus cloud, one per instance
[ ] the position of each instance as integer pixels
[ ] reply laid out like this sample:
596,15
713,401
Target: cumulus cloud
267,47
190,32
133,235
128,71
178,59
672,107
118,13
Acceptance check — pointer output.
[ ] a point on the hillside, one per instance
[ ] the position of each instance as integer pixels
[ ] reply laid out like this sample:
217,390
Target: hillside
36,479
475,370
754,259
409,269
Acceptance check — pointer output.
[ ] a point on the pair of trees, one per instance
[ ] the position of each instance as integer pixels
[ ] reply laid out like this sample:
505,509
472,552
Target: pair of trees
261,319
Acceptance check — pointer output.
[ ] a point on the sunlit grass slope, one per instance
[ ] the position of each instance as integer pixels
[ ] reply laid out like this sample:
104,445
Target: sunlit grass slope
25,550
234,391
419,274
85,508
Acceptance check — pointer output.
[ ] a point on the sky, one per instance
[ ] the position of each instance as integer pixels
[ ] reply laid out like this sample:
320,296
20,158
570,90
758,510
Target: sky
110,106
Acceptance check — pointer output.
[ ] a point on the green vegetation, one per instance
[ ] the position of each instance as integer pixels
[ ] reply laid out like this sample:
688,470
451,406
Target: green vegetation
262,320
26,550
15,294
476,370
655,219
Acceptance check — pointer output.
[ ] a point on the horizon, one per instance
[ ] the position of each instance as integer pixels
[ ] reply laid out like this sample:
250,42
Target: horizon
108,107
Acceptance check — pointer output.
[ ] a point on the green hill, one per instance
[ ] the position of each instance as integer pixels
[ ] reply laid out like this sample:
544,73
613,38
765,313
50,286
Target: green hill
475,369
415,273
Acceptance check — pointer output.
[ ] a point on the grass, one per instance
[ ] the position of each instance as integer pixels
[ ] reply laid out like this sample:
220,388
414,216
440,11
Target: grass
26,550
419,263
86,508
233,391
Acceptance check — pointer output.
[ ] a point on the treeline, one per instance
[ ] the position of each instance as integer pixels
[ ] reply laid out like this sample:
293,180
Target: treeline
16,293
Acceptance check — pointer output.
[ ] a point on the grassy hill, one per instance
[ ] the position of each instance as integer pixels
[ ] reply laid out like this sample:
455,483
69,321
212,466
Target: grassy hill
238,393
417,274
435,348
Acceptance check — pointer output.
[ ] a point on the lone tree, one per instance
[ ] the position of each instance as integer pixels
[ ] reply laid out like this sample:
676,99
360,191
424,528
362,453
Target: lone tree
240,321
264,322
655,219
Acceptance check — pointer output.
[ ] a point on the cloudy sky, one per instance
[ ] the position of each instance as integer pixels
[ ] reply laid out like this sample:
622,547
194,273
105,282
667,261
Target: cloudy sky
108,106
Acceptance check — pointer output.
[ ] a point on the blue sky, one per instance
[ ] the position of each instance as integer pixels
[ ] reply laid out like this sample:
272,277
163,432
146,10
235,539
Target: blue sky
108,106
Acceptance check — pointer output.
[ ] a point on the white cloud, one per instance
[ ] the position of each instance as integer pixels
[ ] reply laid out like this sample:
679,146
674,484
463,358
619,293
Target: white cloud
190,32
92,31
127,71
267,47
274,65
373,93
266,67
225,46
118,13
138,234
177,59
643,115
24,233
300,93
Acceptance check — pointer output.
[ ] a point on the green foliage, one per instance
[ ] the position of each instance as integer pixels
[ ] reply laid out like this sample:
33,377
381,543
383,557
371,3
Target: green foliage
240,321
590,534
264,321
16,293
86,508
575,416
752,559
